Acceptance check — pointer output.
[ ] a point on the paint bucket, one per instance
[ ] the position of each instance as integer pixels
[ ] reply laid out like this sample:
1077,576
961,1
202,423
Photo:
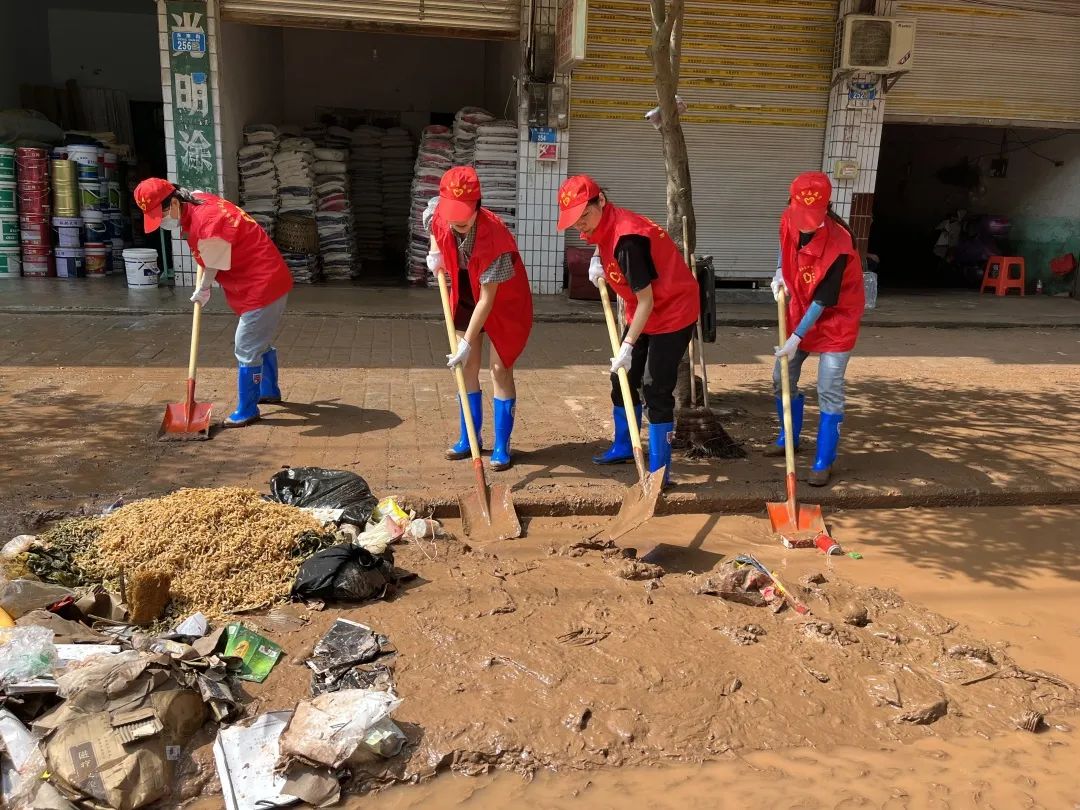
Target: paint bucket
34,198
96,256
8,197
65,189
115,197
93,227
86,159
9,231
37,262
89,198
114,223
141,267
34,230
10,263
68,231
118,255
70,262
109,166
7,164
32,165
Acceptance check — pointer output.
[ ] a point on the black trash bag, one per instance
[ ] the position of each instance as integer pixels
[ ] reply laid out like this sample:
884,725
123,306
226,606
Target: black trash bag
344,573
334,489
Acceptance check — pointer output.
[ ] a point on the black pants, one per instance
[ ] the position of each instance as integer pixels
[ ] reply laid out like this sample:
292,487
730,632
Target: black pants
654,370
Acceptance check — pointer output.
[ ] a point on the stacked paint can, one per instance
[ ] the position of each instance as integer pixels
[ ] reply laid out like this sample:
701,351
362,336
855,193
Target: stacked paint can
32,167
10,259
89,166
67,224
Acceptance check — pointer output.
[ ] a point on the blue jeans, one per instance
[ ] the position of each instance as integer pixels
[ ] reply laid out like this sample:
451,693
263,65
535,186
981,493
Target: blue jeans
256,331
831,368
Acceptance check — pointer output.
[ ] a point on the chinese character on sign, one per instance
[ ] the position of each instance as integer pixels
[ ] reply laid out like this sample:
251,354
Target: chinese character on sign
193,93
197,151
188,35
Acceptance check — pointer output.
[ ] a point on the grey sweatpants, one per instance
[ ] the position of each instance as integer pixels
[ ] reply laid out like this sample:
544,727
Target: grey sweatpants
256,331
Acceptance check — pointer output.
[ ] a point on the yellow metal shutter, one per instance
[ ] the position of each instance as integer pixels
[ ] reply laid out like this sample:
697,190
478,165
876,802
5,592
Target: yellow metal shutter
991,63
755,74
461,18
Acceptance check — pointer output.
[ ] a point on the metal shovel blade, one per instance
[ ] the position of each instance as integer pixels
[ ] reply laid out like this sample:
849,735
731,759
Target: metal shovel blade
639,504
183,422
788,517
494,520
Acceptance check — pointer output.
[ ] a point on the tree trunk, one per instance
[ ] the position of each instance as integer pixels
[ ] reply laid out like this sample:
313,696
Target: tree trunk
666,55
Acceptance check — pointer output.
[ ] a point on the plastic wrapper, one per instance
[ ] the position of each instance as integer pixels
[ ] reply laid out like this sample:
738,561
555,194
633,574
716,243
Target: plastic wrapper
318,487
20,596
25,653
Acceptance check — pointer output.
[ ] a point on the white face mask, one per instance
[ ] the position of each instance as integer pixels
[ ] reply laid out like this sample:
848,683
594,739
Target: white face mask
170,224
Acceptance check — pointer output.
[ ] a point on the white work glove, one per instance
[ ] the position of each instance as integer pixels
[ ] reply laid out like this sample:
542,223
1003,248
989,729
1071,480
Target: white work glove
461,355
778,284
201,296
622,359
596,271
429,213
434,261
791,345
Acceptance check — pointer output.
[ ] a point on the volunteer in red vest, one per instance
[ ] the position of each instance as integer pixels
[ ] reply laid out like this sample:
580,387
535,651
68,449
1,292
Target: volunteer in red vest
640,262
231,248
489,293
822,274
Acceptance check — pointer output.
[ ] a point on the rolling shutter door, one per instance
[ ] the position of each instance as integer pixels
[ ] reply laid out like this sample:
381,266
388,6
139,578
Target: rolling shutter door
458,18
755,74
991,63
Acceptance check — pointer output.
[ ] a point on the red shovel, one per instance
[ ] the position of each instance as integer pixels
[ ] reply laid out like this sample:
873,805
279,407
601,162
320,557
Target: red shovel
189,419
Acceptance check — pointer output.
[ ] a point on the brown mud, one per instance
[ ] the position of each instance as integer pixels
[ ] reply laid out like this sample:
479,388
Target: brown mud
917,665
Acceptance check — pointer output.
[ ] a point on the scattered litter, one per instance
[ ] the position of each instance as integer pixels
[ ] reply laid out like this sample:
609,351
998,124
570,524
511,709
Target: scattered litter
258,653
194,626
335,489
246,757
345,573
855,555
326,730
925,715
639,571
25,653
1030,721
856,615
342,659
17,545
20,596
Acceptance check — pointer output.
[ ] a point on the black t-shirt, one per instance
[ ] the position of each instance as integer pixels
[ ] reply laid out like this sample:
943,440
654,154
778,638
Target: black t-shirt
635,258
827,292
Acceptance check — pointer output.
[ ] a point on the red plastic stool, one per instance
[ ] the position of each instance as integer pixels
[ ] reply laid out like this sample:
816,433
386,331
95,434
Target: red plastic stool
1003,273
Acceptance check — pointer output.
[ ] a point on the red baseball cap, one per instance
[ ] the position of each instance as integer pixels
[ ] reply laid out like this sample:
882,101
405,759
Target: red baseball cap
574,196
149,195
459,192
810,194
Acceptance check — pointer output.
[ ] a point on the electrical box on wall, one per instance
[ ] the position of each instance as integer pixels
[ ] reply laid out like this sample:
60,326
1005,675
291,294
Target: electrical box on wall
547,105
878,44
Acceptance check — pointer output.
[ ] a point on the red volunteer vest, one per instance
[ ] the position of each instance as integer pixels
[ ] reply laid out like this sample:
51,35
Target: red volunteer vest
258,276
510,321
675,290
838,327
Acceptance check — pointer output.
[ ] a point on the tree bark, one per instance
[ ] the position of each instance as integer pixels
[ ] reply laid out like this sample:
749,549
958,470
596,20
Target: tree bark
666,56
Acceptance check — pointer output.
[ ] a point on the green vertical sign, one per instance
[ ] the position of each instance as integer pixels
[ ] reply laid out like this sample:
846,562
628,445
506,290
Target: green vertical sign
192,102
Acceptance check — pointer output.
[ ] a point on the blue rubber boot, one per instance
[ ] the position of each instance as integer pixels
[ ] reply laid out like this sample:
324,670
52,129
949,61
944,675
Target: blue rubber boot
269,392
621,450
660,448
503,411
247,386
828,437
797,406
461,450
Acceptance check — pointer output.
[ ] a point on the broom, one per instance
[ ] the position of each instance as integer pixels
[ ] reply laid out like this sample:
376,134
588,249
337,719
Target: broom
698,430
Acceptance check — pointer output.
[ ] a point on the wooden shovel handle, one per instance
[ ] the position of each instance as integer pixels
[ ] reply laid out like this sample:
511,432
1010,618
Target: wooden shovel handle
196,327
785,389
459,375
624,382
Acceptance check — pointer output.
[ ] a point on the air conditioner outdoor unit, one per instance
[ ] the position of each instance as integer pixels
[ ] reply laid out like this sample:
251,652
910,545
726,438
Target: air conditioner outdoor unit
878,44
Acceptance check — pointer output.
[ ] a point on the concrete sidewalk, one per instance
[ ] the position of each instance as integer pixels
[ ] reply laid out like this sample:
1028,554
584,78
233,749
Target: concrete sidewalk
936,416
937,308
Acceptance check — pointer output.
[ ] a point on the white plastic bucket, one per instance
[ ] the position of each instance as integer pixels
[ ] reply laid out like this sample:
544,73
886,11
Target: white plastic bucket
10,231
9,194
141,267
68,231
7,164
87,159
10,263
70,262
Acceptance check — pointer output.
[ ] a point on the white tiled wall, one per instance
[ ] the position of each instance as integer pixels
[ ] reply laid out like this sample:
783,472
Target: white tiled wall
540,242
853,131
182,260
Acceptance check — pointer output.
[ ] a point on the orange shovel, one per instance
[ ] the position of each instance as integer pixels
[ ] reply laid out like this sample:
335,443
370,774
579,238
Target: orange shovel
791,516
189,419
